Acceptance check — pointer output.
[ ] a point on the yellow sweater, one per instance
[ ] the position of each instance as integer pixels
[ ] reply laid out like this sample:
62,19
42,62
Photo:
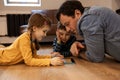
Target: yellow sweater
20,51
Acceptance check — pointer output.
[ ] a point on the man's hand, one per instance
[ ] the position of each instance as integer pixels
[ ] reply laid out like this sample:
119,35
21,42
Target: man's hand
75,48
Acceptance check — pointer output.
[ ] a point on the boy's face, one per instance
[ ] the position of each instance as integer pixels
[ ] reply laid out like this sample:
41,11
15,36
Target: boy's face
63,35
70,22
40,33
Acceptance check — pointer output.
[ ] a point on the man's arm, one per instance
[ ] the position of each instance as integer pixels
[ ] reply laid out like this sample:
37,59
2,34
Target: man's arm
94,38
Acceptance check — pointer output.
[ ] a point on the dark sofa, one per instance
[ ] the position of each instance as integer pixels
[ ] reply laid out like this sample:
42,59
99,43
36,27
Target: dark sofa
52,33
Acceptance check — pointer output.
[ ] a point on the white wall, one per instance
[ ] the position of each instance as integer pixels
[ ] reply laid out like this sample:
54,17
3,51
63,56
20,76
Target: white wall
115,4
104,3
50,4
3,26
46,4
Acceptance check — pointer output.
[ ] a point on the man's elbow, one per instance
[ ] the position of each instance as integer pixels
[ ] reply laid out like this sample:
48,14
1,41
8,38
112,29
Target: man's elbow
96,59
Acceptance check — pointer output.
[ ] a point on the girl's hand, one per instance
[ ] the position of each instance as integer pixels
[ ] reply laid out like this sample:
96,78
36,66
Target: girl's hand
56,54
56,61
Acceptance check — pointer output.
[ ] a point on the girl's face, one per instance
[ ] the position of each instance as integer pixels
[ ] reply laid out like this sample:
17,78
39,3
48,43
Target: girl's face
40,33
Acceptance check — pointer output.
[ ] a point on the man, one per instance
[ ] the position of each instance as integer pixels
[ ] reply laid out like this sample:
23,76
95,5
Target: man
99,26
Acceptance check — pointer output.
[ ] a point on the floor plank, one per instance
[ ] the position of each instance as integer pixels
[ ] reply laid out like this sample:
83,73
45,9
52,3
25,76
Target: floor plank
82,70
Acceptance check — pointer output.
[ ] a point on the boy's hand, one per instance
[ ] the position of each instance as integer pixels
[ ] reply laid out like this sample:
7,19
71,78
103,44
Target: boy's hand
56,54
75,48
56,61
58,36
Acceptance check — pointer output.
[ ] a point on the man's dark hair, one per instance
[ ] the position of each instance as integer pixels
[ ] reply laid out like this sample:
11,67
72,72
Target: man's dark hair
68,8
60,26
118,11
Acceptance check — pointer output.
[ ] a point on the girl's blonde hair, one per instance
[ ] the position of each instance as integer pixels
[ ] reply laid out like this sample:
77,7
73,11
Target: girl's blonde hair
39,21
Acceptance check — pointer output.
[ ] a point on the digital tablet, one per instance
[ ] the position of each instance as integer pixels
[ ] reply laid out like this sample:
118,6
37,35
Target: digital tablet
69,61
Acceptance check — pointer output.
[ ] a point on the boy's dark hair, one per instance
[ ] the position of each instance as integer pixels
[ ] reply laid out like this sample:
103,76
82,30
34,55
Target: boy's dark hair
60,26
68,8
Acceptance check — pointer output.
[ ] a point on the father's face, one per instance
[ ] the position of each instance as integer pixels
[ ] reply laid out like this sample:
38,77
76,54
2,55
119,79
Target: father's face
69,22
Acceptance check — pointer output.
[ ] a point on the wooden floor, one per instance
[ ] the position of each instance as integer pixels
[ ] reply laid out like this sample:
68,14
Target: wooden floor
82,70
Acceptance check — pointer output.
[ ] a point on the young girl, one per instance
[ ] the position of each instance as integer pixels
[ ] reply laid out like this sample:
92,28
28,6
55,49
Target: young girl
25,46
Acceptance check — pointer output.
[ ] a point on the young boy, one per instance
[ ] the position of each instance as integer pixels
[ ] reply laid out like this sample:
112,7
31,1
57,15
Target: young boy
62,43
